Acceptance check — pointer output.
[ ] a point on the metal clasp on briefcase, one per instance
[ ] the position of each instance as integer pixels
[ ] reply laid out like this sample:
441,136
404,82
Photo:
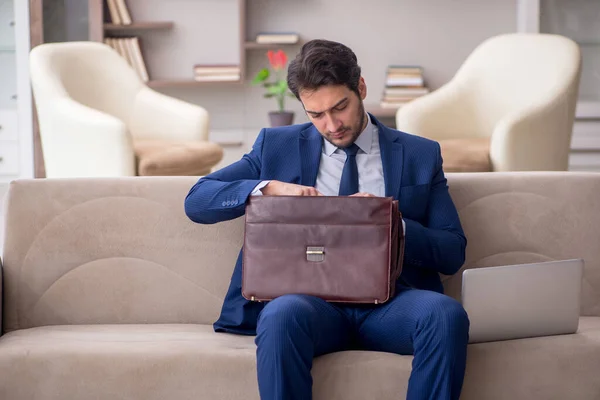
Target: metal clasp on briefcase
315,253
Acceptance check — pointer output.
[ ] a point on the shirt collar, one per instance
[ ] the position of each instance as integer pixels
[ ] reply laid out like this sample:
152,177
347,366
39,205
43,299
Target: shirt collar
364,140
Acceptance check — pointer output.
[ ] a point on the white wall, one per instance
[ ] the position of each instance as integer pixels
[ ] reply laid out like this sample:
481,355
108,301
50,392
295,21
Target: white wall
436,34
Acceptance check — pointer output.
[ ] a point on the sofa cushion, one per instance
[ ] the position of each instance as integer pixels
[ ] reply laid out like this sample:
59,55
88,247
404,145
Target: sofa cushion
163,158
466,155
192,362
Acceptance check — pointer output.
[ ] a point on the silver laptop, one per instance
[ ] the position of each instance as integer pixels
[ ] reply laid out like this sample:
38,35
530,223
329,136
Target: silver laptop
520,301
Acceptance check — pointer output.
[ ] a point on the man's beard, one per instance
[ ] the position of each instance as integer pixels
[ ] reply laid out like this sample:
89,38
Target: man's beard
358,130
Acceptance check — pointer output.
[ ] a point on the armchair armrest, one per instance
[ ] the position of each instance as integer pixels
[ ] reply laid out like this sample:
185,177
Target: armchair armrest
157,116
441,114
83,141
535,139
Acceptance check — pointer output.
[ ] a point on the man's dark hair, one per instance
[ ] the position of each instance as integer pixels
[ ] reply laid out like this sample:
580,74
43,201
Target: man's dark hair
321,63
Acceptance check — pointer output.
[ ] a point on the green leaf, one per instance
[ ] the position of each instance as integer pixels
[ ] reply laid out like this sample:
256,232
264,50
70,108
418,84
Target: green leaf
261,76
282,86
275,90
269,95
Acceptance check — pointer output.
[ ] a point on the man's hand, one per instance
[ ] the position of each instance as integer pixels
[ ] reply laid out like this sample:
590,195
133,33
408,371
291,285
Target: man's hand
277,188
362,194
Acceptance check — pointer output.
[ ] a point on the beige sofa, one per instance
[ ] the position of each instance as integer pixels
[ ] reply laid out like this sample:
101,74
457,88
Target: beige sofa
110,293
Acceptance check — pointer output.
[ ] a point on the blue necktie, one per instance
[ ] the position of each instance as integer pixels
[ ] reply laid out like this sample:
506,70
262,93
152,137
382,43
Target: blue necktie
349,181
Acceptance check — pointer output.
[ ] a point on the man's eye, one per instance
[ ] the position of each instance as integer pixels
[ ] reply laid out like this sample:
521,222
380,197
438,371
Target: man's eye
341,108
317,116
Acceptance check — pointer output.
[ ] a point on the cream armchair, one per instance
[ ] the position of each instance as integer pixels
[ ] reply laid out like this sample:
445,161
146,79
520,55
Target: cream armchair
97,118
510,106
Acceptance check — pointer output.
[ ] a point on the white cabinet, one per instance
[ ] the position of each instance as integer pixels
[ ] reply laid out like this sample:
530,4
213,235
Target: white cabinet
580,21
16,144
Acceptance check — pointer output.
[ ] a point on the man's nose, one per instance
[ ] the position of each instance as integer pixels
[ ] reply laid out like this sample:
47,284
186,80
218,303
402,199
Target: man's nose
333,124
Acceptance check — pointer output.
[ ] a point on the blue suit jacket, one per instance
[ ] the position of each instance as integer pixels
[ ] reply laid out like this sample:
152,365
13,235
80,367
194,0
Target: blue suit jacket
412,169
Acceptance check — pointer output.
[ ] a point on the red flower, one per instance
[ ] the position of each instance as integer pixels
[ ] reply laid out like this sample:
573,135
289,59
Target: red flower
278,59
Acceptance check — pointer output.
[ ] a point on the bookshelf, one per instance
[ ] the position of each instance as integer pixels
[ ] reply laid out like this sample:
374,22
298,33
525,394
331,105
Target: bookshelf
171,83
244,45
116,30
265,46
138,26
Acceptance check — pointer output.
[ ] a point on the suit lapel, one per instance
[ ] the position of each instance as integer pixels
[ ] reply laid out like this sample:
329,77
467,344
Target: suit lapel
310,155
391,158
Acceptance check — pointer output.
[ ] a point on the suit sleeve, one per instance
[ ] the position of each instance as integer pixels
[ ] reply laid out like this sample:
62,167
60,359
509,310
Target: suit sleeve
222,195
441,244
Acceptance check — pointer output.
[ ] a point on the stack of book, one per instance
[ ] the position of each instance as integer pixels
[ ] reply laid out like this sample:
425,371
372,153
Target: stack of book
129,49
402,84
217,73
277,38
118,12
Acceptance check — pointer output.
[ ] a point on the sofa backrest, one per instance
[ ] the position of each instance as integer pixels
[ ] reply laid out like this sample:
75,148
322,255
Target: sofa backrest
93,251
114,250
523,217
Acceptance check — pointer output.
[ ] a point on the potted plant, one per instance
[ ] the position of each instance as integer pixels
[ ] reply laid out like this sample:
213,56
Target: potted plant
277,88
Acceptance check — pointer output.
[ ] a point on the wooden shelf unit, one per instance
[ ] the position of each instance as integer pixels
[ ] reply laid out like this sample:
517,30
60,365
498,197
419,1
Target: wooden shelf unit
245,44
139,26
266,46
162,83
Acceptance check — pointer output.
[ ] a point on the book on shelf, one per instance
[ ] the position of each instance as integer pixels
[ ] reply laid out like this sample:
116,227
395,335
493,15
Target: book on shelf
129,48
402,85
217,73
117,12
277,38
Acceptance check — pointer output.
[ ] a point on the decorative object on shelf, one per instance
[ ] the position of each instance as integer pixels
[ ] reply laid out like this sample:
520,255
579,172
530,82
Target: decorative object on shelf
129,48
277,89
217,73
277,38
402,85
118,12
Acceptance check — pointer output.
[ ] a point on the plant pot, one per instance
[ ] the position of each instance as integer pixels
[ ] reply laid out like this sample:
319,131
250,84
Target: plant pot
278,118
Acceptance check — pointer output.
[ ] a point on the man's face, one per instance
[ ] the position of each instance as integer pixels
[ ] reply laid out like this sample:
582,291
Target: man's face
337,112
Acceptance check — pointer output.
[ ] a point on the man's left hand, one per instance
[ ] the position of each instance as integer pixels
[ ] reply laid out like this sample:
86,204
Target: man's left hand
362,194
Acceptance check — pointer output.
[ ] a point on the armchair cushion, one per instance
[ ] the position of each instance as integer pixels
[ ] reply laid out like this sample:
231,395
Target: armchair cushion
466,155
165,158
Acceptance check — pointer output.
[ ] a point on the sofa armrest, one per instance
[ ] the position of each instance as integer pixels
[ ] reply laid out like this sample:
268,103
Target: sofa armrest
156,116
84,141
535,139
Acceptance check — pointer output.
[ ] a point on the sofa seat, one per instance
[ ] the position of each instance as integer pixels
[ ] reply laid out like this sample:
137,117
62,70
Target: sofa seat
191,361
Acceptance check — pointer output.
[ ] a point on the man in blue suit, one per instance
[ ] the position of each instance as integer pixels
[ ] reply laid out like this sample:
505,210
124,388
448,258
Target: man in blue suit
346,151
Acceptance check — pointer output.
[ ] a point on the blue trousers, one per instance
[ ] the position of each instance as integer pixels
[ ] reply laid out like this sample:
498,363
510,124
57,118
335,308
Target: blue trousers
293,329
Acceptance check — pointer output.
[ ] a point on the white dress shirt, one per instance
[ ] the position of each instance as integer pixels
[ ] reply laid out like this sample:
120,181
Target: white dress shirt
368,161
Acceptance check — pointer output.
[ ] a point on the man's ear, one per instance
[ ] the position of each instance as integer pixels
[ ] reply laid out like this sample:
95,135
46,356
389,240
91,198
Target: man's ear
362,88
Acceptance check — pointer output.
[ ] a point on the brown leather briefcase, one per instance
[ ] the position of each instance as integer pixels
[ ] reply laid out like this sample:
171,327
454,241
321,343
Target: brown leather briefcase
341,249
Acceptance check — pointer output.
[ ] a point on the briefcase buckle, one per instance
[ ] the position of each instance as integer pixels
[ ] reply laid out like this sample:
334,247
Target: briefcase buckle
315,253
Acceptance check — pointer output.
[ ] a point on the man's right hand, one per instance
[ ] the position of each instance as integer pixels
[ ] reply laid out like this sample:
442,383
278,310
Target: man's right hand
277,188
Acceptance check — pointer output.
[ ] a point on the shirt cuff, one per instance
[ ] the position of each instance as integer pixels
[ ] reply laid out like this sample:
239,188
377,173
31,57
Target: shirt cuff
403,227
257,192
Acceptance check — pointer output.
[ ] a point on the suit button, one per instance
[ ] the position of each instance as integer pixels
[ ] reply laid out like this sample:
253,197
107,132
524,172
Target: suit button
235,202
223,204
